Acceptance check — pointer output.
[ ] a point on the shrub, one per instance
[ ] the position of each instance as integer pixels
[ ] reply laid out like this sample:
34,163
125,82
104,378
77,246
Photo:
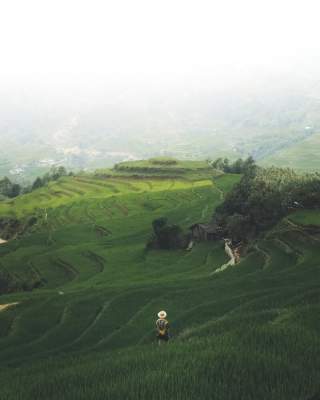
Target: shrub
166,236
163,161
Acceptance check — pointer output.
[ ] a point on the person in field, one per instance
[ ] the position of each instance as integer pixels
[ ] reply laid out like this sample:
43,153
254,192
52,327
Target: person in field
162,328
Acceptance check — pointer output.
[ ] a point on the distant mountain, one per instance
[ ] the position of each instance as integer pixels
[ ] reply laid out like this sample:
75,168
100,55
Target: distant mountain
302,155
264,120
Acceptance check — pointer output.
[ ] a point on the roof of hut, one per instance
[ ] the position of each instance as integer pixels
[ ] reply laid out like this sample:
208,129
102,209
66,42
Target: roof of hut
208,228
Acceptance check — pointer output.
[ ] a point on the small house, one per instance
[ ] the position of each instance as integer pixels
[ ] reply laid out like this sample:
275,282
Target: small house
202,232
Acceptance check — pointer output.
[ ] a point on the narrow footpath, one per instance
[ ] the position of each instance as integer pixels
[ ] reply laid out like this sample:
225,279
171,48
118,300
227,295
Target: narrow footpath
230,254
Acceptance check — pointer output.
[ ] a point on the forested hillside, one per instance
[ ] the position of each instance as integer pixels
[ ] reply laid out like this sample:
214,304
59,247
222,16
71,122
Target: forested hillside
262,198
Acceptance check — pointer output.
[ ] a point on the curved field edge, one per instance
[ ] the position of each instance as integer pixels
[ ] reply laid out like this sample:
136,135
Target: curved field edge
250,328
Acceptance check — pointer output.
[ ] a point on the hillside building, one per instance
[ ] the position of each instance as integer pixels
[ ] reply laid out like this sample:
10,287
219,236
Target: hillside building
201,231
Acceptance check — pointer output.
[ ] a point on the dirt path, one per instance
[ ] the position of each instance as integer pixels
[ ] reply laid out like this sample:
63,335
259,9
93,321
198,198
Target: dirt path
5,306
2,241
221,194
232,260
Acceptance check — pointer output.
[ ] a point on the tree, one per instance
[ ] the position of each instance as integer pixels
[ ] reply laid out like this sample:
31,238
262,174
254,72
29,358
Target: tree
238,226
9,189
15,190
239,166
263,197
249,166
38,183
166,236
170,237
159,224
5,186
218,164
53,175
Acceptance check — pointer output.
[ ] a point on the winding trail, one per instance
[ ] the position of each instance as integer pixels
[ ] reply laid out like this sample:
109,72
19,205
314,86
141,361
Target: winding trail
232,260
221,193
5,306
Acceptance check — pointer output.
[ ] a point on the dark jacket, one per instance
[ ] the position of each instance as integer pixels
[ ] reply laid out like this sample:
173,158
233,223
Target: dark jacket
162,327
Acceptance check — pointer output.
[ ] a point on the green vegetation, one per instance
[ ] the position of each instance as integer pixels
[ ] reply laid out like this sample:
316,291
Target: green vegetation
162,167
163,161
88,332
306,217
8,188
54,174
166,236
262,198
239,166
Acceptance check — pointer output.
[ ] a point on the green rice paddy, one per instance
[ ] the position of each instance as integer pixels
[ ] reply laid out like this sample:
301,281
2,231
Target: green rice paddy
249,332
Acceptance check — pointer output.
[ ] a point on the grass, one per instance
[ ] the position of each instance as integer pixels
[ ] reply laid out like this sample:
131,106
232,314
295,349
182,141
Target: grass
248,332
306,217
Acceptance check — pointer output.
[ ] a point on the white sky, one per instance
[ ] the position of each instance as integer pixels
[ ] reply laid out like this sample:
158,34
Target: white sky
61,41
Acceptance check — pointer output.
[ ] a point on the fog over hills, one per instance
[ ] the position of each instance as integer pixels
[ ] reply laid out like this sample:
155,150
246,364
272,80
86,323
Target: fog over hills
94,128
91,85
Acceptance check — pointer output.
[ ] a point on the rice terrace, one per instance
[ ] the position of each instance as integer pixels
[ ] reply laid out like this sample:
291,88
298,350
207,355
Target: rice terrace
80,294
160,200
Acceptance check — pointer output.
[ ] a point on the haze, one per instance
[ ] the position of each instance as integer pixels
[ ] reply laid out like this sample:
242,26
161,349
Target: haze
116,75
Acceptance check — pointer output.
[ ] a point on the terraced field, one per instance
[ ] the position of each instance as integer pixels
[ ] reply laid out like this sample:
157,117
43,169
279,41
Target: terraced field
306,217
87,332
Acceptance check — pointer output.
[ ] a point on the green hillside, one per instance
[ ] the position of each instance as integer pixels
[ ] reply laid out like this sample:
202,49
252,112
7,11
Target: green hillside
306,217
164,167
86,330
303,156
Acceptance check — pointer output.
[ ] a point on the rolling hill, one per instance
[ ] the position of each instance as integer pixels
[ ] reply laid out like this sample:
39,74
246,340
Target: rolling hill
86,330
301,156
264,118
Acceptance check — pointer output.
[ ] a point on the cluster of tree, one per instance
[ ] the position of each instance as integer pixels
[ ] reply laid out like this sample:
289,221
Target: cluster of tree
262,198
9,189
54,174
239,166
163,161
166,236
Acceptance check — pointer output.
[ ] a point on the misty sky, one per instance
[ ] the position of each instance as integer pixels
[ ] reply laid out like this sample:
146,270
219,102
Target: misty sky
102,74
148,43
